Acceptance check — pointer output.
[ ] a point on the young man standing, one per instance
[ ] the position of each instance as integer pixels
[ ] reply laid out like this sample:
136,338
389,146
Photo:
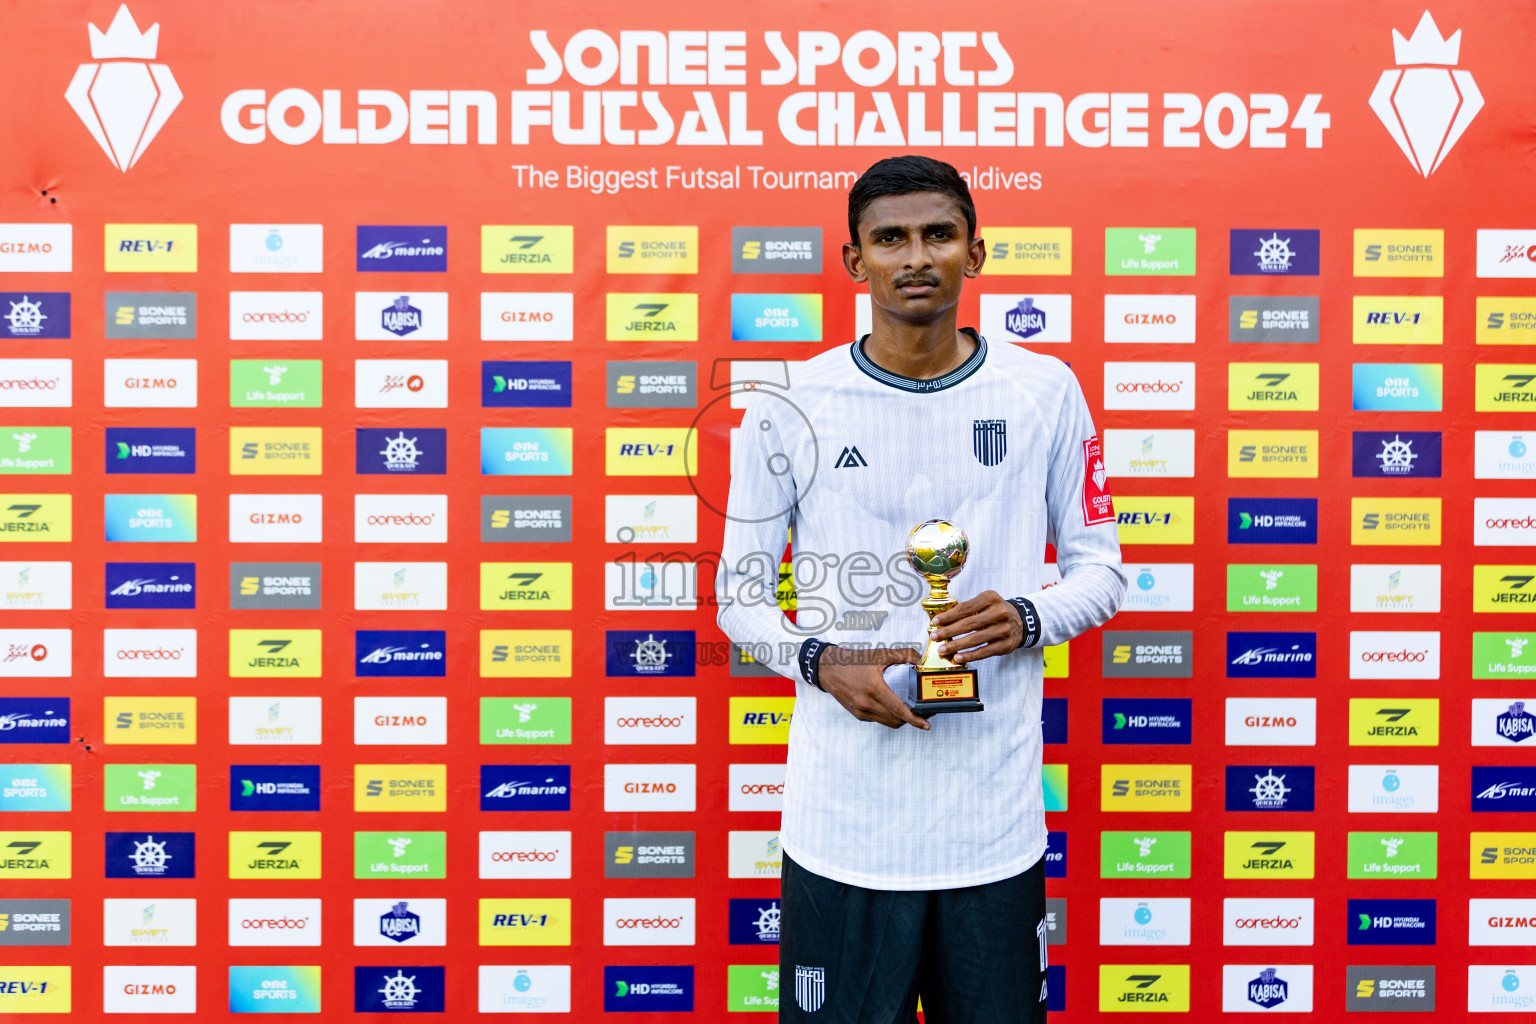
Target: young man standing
913,857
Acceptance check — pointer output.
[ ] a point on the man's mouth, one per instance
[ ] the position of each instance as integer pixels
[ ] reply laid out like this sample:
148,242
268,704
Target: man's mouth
916,285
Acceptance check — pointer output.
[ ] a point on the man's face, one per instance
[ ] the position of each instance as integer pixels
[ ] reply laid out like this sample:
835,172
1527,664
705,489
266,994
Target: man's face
914,254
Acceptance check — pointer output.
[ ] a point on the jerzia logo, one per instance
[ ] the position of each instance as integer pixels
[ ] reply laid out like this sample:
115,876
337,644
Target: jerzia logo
1423,103
124,103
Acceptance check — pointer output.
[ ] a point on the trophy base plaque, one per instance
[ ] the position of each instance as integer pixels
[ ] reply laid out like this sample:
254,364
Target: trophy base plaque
946,690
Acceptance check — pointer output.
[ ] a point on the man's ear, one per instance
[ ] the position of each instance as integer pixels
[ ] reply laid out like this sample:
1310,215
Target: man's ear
853,262
975,257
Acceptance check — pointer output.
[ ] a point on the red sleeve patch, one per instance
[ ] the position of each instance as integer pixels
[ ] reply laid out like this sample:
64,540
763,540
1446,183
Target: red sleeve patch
1098,505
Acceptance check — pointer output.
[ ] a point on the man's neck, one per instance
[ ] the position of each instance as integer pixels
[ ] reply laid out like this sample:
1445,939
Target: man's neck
918,351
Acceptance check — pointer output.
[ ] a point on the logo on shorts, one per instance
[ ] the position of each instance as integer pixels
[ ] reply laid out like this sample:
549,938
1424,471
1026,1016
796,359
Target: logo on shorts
810,987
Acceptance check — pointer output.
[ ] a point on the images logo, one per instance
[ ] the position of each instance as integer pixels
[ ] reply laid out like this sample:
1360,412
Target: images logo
1426,108
124,104
276,249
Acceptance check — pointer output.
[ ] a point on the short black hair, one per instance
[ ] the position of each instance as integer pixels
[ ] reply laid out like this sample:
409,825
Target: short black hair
903,175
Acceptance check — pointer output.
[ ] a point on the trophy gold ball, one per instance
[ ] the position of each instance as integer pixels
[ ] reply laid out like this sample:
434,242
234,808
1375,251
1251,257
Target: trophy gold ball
937,550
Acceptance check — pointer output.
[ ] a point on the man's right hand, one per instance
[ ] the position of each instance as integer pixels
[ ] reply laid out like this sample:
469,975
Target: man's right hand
856,679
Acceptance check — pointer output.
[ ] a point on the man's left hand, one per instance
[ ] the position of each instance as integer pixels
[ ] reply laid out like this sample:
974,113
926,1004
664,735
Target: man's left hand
983,627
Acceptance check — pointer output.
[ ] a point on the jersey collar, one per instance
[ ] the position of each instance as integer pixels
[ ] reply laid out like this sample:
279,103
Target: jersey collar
912,384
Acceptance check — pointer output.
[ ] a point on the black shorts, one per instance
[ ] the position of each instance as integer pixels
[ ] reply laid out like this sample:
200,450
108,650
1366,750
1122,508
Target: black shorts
849,955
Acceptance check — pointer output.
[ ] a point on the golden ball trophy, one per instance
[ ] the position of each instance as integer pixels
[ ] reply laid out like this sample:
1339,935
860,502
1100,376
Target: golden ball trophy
937,551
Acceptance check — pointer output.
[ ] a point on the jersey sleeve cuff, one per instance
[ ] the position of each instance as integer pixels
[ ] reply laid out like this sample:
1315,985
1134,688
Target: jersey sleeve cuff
810,659
1030,618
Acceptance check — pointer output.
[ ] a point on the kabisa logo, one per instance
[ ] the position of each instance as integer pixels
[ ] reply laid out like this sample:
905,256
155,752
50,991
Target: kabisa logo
1515,724
1427,104
1268,990
419,652
650,653
125,103
399,923
1024,320
151,585
1284,787
400,317
34,315
1271,655
151,855
402,248
524,787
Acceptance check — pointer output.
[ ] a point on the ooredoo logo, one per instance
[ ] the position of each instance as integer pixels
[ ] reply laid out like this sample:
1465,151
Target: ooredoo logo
756,787
1149,386
274,922
1267,922
1394,655
525,855
397,518
650,720
288,316
149,652
648,922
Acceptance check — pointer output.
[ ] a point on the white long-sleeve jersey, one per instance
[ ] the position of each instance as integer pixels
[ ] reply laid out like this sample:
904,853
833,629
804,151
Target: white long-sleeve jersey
852,457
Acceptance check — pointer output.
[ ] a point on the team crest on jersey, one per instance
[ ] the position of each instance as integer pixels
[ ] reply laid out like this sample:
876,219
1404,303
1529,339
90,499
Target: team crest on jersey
989,440
810,987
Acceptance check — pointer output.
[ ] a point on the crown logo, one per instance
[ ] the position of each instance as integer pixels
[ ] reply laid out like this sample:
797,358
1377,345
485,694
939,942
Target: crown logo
123,39
1426,103
126,102
1426,46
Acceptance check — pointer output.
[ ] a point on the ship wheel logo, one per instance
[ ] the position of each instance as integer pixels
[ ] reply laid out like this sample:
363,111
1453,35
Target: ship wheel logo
1269,789
1396,456
399,991
26,317
149,857
400,452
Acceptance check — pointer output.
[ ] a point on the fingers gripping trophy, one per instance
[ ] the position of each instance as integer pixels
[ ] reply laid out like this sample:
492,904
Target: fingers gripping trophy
937,550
